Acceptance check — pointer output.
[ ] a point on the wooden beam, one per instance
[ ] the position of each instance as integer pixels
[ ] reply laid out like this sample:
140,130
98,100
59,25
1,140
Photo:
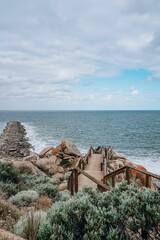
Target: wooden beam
93,179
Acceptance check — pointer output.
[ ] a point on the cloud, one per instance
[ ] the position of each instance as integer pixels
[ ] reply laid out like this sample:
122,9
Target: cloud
56,44
155,77
108,98
134,91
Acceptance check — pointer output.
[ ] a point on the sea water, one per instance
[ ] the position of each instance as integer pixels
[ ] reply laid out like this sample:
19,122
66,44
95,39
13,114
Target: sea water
135,134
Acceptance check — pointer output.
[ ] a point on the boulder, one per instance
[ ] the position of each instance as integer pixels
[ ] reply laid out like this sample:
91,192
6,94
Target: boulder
9,236
27,167
63,186
55,150
60,169
46,163
52,171
53,159
58,175
44,151
70,148
31,158
58,161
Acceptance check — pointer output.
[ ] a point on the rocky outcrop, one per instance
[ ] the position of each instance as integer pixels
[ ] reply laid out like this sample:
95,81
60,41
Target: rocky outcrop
9,236
13,141
57,160
27,167
70,148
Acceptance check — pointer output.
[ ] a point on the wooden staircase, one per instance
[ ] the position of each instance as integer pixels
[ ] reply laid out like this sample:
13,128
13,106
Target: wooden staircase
93,168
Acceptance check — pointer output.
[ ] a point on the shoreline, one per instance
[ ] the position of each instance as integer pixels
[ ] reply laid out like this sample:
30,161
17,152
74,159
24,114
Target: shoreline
150,163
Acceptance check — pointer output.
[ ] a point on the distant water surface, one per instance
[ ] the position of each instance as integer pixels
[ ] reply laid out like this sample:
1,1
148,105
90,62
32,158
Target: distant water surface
136,134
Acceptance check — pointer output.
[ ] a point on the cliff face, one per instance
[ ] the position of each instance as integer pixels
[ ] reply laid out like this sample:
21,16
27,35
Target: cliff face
13,141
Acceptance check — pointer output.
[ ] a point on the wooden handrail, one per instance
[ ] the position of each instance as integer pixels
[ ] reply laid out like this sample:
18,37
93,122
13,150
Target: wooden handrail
116,172
78,168
93,179
144,172
127,168
120,170
106,155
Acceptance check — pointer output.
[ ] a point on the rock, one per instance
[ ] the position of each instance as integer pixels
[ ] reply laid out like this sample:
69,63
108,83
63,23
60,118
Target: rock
13,141
53,158
70,148
9,236
44,151
31,158
27,167
58,175
55,150
58,161
63,186
60,169
52,171
46,163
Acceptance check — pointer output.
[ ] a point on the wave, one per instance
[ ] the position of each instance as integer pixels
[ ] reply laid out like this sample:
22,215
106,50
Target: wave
34,138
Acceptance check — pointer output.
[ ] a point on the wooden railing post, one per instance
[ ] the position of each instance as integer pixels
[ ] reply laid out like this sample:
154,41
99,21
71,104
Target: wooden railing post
148,181
76,180
128,174
113,181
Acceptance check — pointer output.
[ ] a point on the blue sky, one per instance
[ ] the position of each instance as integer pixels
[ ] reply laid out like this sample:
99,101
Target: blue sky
72,55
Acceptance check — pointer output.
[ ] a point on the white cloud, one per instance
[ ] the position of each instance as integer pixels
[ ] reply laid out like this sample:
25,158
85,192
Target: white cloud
134,91
108,98
57,43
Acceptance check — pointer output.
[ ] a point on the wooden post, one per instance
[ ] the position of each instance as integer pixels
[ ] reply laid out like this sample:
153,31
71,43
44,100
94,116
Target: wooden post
105,166
148,181
76,180
128,174
71,184
113,181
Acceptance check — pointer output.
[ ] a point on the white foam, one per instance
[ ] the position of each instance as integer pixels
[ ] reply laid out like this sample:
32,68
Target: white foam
150,163
34,137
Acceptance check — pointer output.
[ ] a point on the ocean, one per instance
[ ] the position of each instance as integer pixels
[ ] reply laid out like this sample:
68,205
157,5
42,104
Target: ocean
135,134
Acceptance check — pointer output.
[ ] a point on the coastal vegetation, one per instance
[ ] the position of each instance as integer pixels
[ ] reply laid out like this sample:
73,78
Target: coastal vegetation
36,205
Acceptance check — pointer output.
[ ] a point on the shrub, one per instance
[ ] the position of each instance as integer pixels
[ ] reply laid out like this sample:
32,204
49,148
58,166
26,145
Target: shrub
25,198
28,225
42,184
125,213
9,214
9,173
43,203
9,188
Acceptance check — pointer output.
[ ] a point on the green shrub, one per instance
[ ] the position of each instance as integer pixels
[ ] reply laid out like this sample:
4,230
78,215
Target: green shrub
25,198
9,215
124,213
42,184
9,188
28,225
9,173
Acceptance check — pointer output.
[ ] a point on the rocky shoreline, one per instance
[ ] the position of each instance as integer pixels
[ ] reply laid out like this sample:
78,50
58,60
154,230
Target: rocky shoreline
53,161
13,141
48,172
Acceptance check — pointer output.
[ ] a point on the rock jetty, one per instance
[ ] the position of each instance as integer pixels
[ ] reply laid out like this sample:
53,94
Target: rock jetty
13,141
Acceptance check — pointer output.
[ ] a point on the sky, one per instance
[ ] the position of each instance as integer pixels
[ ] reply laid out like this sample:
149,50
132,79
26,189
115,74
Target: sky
79,55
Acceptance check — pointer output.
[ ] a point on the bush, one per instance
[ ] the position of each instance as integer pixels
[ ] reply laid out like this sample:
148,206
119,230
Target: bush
9,214
9,188
42,184
28,225
43,203
9,173
125,213
25,198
